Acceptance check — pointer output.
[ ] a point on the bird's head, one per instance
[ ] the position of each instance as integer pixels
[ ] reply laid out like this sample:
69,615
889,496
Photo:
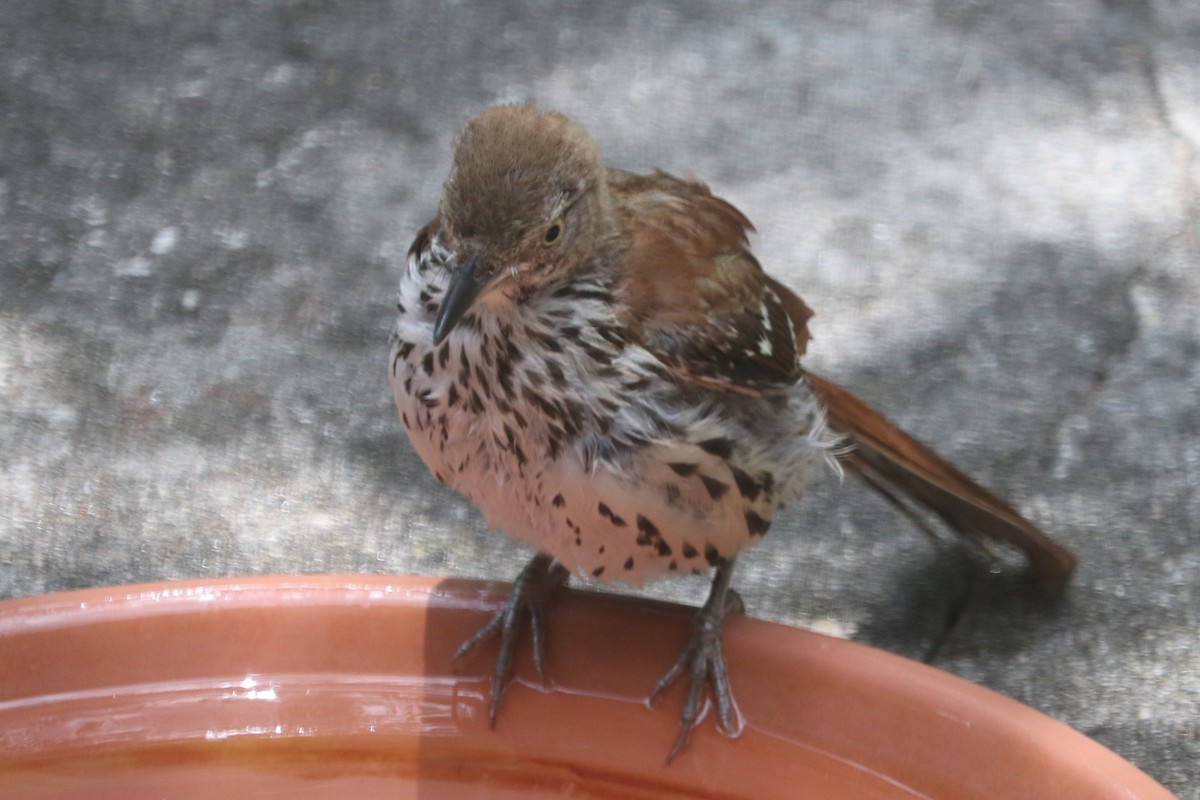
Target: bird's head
524,205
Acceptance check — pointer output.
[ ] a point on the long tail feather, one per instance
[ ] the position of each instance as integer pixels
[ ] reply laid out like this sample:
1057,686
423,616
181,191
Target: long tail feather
892,462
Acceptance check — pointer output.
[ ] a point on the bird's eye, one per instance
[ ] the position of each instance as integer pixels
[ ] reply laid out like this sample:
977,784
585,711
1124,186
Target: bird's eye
553,233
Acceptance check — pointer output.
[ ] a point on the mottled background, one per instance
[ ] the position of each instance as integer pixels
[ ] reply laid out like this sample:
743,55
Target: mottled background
991,206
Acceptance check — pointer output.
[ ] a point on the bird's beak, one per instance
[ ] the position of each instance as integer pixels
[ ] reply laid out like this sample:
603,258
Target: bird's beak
465,285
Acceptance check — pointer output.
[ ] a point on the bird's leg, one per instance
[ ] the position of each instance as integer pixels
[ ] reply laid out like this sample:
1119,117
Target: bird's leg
703,660
534,586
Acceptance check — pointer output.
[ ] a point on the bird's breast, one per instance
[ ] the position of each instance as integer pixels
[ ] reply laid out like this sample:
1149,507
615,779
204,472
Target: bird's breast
574,439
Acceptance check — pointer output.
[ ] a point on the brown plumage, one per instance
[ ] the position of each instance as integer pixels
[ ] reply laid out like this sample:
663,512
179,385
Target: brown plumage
597,360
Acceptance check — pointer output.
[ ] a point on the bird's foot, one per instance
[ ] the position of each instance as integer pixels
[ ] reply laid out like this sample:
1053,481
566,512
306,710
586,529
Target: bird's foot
534,586
703,661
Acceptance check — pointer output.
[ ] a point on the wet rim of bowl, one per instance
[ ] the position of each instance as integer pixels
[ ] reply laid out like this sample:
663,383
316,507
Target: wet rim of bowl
291,664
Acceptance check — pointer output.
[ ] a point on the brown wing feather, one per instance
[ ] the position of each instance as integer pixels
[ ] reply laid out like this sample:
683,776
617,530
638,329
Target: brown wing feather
695,293
884,454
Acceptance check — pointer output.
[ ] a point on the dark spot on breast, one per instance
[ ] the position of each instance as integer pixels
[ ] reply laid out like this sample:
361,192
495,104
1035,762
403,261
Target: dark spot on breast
612,335
595,353
611,406
556,373
673,494
756,524
484,384
649,536
646,527
558,501
629,563
607,513
547,408
711,555
549,342
719,447
504,375
683,469
716,489
746,485
452,395
597,572
688,551
607,371
575,414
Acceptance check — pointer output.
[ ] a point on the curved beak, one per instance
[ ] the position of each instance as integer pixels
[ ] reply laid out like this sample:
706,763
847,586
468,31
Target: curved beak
465,285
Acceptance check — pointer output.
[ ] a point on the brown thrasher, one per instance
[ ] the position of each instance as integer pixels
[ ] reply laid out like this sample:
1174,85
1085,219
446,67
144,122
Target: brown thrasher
596,360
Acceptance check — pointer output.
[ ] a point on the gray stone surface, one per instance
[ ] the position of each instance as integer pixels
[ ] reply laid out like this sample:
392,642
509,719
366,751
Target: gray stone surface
993,208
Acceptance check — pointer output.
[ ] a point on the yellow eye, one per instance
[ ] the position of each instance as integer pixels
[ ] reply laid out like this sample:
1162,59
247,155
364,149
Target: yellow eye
553,233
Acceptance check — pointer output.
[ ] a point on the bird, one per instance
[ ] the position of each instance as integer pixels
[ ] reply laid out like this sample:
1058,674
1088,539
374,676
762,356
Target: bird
596,359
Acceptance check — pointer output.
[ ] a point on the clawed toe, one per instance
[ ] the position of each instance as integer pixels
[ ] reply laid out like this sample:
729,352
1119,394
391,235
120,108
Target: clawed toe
703,661
534,586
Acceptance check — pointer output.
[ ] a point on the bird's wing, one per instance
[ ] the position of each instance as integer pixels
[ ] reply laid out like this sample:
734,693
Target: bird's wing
702,304
694,293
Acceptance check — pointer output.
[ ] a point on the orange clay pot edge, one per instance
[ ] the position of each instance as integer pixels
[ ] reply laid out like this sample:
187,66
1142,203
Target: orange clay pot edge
332,650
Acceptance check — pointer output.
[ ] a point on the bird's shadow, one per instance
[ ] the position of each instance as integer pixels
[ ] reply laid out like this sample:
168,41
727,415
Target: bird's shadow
962,601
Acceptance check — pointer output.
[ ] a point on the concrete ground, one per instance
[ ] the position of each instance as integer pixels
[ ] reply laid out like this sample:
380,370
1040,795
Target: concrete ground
992,207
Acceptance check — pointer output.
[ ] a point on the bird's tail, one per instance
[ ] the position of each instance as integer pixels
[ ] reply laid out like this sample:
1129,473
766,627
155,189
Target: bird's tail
898,466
